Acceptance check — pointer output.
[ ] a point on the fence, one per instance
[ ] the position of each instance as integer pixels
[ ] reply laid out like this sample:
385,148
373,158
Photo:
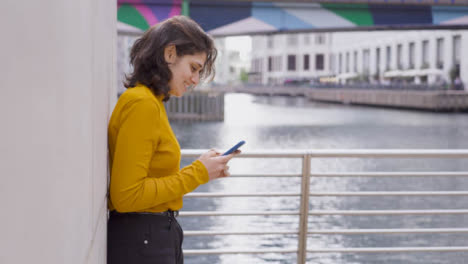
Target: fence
303,231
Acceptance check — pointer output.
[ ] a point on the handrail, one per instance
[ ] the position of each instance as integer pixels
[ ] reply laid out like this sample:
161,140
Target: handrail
302,231
343,153
272,194
333,231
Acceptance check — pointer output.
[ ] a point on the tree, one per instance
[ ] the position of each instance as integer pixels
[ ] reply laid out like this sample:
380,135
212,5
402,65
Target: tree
244,77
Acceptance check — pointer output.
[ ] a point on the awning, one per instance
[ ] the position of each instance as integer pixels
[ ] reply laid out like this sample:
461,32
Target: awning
347,75
412,73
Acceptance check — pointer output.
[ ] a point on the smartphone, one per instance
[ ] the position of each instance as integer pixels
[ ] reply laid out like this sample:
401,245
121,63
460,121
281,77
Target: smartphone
231,150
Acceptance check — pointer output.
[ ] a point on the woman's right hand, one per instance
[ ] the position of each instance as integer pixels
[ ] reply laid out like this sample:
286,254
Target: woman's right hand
216,164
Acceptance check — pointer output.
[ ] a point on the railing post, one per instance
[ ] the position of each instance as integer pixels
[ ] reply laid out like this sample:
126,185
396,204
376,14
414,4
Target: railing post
304,210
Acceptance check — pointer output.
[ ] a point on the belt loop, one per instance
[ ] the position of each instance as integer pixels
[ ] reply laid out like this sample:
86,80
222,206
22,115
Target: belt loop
170,219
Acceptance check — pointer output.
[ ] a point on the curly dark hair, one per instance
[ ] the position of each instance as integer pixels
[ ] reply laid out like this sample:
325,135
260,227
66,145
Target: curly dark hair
147,54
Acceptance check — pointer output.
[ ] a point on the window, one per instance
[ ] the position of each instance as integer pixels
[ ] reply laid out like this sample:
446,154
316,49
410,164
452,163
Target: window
377,60
256,65
425,54
400,56
440,53
292,39
365,61
319,62
270,42
291,62
355,62
306,39
306,62
411,55
388,64
456,49
319,39
340,60
277,63
270,64
347,61
332,62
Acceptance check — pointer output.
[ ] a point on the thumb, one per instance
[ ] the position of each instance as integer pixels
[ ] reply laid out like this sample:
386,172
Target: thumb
225,159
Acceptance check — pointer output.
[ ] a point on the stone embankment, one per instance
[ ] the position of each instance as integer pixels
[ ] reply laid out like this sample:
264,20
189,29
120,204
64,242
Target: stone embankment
424,100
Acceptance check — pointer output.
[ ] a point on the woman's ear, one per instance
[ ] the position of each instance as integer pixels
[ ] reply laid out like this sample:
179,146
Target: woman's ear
170,54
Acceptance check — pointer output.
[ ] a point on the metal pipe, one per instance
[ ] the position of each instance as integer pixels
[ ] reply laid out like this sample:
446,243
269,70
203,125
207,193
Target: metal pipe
386,249
238,213
391,174
304,207
388,212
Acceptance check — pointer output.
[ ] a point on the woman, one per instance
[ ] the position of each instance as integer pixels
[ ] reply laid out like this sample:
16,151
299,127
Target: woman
146,183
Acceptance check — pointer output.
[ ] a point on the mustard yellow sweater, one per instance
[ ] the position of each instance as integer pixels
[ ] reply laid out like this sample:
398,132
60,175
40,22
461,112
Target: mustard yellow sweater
145,157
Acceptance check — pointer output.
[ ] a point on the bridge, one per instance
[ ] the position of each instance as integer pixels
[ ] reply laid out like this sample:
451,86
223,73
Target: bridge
241,17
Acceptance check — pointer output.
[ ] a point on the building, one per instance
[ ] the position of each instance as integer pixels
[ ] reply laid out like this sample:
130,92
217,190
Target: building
277,59
229,64
417,57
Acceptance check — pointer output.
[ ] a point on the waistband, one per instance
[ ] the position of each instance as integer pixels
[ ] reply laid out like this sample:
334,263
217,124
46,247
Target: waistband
168,213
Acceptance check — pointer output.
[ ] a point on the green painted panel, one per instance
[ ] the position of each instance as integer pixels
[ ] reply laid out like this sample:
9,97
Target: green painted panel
185,8
359,14
129,15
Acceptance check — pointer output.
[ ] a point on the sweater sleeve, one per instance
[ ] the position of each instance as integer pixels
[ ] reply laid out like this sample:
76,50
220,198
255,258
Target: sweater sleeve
131,189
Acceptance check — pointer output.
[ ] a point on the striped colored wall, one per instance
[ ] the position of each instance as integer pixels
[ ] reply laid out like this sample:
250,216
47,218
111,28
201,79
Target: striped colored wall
230,17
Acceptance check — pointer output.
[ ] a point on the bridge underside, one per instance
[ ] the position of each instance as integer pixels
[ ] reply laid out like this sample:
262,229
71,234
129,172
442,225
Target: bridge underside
223,18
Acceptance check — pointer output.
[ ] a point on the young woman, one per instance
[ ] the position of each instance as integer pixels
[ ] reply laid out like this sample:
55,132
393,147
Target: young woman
146,182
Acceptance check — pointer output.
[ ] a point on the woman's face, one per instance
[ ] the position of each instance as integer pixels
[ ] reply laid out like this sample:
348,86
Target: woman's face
185,72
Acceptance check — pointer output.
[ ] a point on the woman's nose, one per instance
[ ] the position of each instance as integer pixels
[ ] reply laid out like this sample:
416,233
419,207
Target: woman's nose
195,78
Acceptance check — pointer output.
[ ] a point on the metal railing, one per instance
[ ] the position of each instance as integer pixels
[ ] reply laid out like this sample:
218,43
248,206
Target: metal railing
303,231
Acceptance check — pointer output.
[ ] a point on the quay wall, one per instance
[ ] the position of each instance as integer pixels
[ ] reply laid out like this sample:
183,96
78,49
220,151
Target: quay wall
206,106
424,100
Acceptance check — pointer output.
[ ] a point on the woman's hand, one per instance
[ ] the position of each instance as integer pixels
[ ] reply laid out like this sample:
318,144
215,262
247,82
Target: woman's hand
216,164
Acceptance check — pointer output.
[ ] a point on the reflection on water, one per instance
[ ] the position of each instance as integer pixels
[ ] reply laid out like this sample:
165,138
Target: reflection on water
295,123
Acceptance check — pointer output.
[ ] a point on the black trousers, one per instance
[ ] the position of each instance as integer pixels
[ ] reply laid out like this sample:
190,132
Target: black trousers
144,239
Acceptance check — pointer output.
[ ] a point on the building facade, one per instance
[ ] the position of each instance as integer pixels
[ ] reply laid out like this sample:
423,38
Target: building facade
229,64
280,58
414,57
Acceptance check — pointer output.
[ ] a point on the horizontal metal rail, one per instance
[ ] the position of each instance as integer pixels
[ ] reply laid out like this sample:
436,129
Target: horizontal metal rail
195,252
204,194
392,174
388,231
265,175
360,174
272,194
325,212
302,231
399,193
386,249
388,212
243,233
238,213
331,232
191,252
357,153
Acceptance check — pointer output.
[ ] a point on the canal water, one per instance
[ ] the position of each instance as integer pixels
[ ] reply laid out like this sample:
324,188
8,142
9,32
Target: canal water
295,123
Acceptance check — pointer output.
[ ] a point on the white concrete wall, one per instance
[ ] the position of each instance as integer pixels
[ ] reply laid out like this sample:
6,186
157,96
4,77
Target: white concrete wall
57,90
